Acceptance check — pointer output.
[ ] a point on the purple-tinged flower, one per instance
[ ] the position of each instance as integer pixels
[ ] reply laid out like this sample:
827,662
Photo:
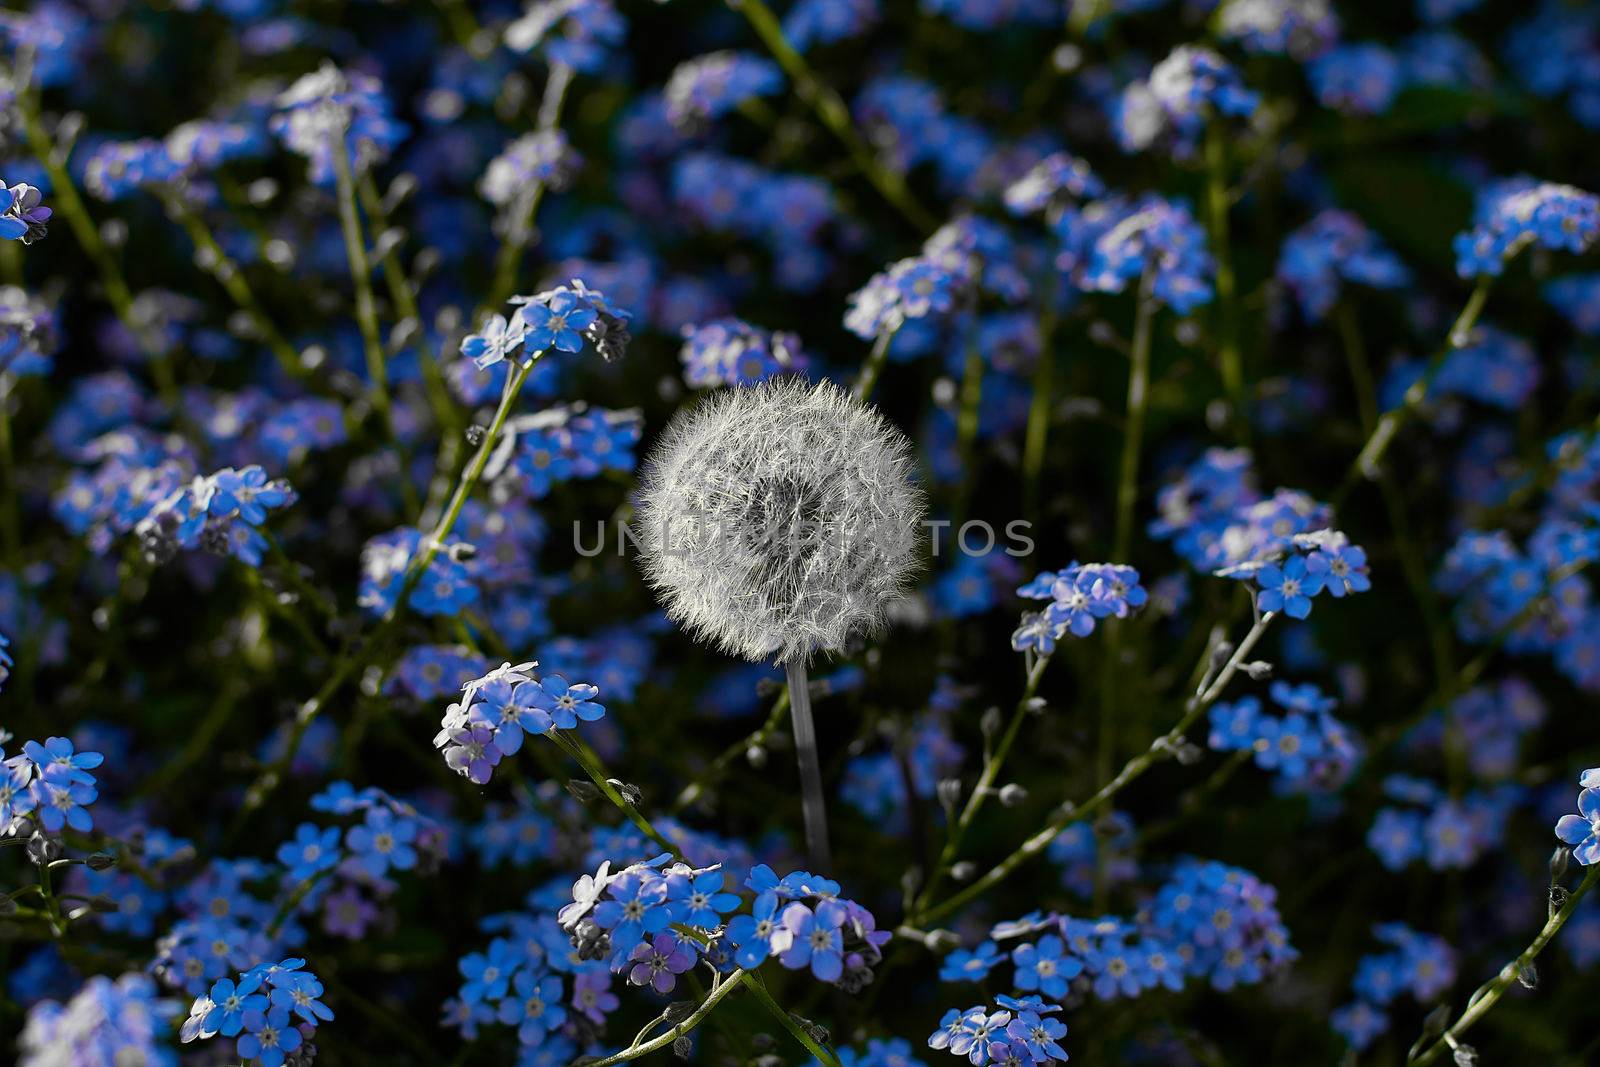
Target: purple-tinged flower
22,217
348,914
470,751
592,996
658,962
812,937
497,341
1040,1034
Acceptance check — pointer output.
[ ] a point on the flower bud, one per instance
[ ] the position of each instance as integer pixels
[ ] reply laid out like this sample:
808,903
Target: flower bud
1187,752
43,849
990,722
963,871
1012,794
1558,862
101,861
949,792
1258,670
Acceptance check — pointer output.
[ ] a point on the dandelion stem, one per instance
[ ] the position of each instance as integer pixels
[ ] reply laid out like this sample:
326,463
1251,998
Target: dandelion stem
1134,768
832,112
812,801
1489,994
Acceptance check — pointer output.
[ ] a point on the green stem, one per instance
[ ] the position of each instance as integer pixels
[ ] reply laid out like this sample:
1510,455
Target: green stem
1133,434
980,793
1134,768
719,766
1489,994
428,548
404,297
66,201
1038,431
1389,424
227,273
355,248
11,507
873,366
1228,355
580,751
1411,560
520,221
832,112
1127,497
733,981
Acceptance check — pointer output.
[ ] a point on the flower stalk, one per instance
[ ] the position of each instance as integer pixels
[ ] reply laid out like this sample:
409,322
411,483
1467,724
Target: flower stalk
1211,689
813,803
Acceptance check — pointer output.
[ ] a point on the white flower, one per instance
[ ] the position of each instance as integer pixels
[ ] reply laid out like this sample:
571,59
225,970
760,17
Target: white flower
779,520
586,893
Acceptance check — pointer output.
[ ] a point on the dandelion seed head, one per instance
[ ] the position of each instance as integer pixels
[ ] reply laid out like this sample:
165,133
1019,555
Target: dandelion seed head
779,520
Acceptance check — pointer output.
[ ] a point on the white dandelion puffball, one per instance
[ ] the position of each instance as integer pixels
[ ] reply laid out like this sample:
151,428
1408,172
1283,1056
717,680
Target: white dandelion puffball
779,520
